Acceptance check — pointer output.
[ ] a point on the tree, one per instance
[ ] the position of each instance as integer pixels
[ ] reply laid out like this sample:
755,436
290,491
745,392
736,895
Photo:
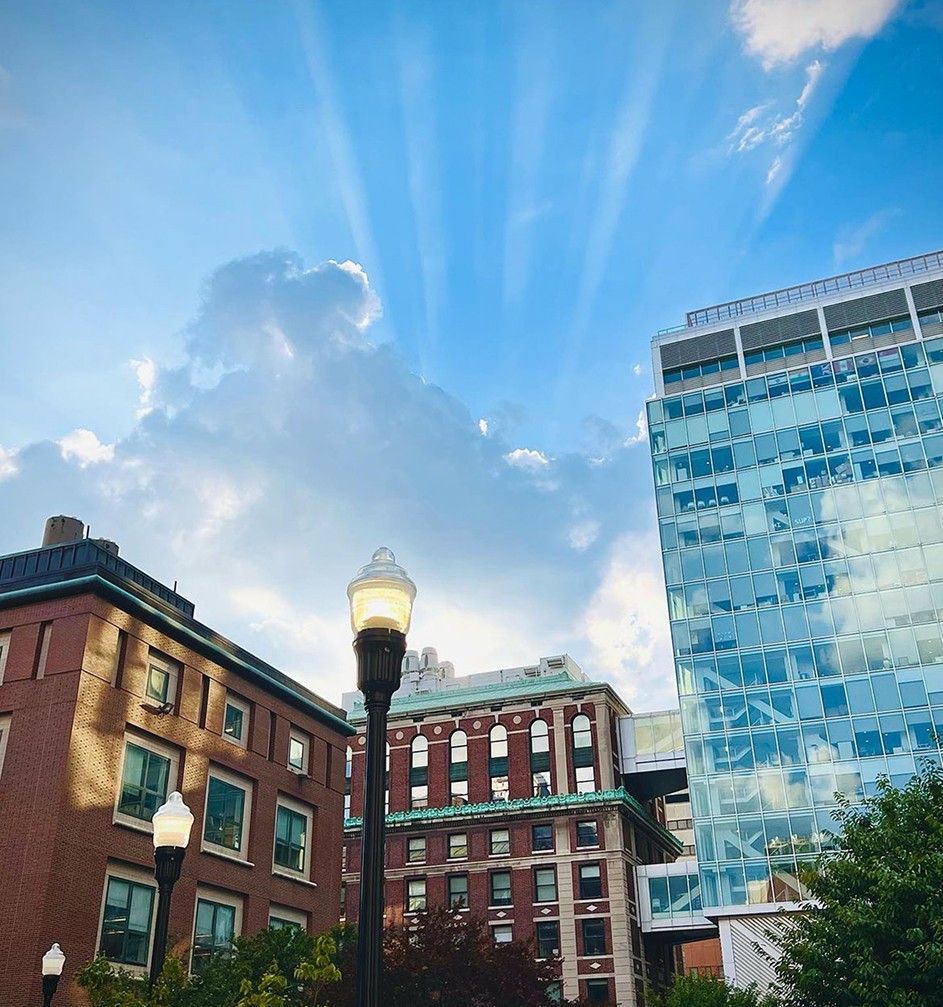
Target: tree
873,937
707,991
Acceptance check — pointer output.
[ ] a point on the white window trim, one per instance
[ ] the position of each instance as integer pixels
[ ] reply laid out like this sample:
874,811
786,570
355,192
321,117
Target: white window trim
143,741
297,734
140,876
458,857
4,651
219,773
424,851
283,800
507,852
5,723
502,924
157,660
222,897
246,709
288,914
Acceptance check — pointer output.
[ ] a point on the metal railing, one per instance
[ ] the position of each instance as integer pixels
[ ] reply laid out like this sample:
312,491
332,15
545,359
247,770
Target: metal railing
899,270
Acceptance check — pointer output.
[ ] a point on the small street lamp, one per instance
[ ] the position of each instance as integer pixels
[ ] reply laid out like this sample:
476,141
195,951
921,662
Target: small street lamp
53,960
381,604
172,824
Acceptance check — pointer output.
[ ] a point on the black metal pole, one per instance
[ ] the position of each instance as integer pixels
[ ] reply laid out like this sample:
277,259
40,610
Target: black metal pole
49,988
380,655
167,862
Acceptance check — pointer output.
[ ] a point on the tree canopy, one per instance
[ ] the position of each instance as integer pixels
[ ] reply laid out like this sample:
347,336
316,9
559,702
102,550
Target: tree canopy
706,991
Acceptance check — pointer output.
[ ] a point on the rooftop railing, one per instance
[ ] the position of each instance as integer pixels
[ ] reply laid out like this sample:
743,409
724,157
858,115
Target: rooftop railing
899,270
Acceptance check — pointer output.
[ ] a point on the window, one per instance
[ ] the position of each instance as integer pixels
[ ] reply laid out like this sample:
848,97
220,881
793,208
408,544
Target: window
458,845
299,744
284,917
587,834
416,895
590,881
348,775
292,836
597,990
215,923
548,938
500,894
415,850
540,758
127,916
4,735
149,773
162,675
545,884
594,937
498,762
503,933
541,838
419,772
45,635
226,823
236,720
386,796
499,841
458,767
583,754
4,649
458,890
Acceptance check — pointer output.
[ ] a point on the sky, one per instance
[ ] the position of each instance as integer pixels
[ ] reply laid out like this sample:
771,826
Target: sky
283,282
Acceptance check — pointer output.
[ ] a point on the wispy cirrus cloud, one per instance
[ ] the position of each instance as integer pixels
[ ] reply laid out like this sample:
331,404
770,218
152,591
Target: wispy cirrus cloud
853,240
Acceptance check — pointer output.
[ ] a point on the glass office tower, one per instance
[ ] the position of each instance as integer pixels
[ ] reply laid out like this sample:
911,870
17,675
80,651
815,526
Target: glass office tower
797,446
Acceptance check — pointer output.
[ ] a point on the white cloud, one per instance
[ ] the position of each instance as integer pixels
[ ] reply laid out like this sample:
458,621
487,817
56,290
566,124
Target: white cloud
852,241
641,430
7,463
774,169
146,373
483,427
528,459
780,31
581,536
85,448
637,369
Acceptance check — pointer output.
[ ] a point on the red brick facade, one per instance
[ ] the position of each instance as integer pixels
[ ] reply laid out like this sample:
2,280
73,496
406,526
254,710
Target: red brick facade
68,712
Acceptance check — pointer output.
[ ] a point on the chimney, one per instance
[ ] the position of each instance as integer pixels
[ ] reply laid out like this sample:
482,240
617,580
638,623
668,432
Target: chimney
62,529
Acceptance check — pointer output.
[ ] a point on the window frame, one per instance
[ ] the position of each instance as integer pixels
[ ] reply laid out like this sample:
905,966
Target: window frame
593,882
159,749
537,939
296,734
5,638
504,928
245,708
6,723
491,843
307,812
594,921
409,857
171,668
492,902
538,884
215,897
224,775
587,846
449,878
534,848
410,898
594,982
288,915
137,876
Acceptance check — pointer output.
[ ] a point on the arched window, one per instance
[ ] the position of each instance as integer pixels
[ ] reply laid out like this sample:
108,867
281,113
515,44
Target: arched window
458,767
540,758
498,762
348,772
419,772
583,754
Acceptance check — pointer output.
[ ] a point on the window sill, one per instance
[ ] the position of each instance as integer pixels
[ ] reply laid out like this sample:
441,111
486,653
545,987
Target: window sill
234,741
215,851
502,905
134,824
293,877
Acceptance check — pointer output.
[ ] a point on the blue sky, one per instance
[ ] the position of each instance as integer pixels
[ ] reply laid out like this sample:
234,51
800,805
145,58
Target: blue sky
528,191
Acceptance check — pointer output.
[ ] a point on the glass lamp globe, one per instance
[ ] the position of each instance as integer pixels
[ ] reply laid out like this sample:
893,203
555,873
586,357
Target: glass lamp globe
172,822
53,960
381,595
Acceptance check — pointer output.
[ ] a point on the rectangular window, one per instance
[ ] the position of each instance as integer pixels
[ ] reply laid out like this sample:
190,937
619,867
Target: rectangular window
236,720
227,812
594,937
415,850
4,650
4,735
42,650
500,842
548,939
162,675
214,926
416,895
299,745
458,845
503,933
499,788
292,832
541,838
587,834
585,780
127,918
458,891
545,884
590,881
597,990
500,883
148,775
283,917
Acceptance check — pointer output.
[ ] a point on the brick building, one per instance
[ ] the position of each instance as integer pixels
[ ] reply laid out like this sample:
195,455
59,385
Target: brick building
505,796
111,696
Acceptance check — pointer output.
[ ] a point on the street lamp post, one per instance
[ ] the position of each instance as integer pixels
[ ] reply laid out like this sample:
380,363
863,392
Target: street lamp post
381,602
53,960
172,824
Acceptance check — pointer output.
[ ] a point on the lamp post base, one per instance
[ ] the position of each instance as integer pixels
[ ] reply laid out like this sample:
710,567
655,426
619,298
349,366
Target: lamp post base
167,863
50,983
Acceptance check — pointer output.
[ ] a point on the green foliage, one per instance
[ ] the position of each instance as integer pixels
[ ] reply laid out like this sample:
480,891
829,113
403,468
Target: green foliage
707,991
269,992
874,935
109,987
